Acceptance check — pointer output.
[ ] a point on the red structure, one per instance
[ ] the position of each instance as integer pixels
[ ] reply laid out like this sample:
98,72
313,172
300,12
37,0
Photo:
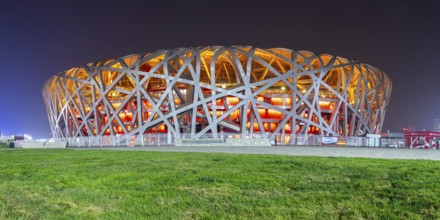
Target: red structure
422,139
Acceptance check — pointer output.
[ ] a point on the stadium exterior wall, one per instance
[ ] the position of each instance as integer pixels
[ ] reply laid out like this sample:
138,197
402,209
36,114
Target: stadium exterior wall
192,92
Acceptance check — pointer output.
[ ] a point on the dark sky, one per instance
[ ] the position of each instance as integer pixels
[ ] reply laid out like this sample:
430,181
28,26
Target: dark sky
39,39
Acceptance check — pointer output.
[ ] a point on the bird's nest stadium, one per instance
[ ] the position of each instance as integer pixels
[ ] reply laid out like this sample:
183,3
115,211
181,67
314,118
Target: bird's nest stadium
194,92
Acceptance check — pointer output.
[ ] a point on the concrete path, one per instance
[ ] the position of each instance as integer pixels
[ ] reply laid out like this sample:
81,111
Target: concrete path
386,153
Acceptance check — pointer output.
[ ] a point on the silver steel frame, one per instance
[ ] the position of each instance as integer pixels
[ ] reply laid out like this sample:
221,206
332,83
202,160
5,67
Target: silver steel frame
189,90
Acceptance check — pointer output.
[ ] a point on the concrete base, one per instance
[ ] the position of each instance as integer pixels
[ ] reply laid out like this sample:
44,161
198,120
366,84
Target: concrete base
220,142
263,142
61,144
199,142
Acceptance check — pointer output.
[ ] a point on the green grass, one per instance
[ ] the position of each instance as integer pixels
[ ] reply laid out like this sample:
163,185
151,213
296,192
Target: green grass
75,184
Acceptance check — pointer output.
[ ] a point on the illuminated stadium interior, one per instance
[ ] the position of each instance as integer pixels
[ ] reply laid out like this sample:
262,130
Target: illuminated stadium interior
208,90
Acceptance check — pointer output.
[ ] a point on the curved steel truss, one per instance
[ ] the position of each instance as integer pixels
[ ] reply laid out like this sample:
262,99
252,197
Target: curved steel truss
195,91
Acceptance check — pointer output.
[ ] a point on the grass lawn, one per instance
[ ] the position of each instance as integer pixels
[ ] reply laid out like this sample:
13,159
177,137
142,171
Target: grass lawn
84,184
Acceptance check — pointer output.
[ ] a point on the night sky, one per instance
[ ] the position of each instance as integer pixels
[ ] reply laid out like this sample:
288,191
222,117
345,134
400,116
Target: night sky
39,39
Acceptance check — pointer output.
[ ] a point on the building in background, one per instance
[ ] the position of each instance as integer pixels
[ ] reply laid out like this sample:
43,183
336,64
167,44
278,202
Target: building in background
392,139
192,92
436,120
409,128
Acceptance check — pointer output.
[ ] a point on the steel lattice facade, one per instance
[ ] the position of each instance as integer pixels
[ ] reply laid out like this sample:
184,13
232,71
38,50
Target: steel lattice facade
208,90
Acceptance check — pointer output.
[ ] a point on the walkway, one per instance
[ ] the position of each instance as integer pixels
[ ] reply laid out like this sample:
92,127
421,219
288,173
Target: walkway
387,153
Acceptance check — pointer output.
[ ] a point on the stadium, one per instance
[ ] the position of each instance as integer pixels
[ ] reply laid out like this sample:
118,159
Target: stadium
215,90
